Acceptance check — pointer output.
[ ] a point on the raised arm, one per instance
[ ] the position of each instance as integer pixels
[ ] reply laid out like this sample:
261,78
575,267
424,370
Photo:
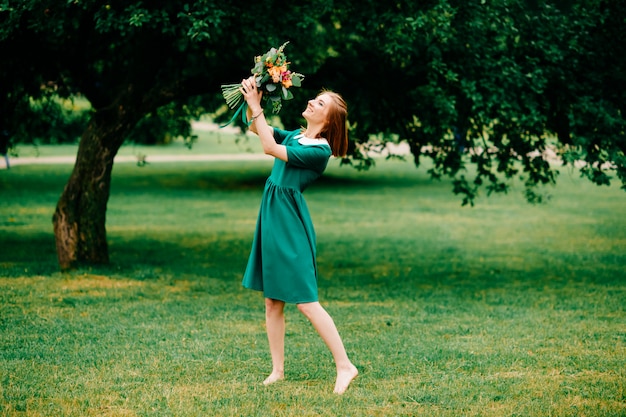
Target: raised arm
252,127
259,124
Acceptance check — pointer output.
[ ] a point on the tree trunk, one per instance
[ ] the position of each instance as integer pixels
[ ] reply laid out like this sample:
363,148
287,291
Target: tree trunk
80,216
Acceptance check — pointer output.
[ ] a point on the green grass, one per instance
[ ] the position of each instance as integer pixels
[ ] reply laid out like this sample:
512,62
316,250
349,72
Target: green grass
504,309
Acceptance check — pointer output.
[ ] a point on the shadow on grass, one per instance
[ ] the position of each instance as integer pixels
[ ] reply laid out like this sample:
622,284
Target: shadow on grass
226,177
28,255
394,270
147,258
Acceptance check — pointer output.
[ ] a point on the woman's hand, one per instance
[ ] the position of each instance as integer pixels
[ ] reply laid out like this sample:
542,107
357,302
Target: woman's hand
251,94
259,125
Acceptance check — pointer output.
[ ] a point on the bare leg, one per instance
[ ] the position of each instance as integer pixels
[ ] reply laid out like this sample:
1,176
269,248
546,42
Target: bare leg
325,326
275,324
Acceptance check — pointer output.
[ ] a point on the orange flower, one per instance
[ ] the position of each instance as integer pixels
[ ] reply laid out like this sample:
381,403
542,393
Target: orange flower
275,73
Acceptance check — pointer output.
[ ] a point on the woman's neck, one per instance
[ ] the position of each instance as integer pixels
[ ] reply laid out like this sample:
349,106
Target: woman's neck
313,131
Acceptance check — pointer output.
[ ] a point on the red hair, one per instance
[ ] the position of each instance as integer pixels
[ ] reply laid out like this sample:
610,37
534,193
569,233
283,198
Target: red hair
336,129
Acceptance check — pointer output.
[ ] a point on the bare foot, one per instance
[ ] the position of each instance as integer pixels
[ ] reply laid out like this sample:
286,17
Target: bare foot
344,377
274,377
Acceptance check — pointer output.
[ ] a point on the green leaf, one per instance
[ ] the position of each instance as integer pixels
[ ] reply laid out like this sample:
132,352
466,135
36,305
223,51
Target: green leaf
296,81
258,68
287,94
262,80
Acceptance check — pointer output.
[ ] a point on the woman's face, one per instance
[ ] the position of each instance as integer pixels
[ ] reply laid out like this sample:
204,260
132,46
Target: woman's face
317,109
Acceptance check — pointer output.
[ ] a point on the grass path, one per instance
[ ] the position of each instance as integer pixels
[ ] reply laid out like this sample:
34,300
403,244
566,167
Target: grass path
213,144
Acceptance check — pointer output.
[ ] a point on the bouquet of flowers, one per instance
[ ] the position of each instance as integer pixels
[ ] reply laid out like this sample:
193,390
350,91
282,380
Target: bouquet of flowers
273,77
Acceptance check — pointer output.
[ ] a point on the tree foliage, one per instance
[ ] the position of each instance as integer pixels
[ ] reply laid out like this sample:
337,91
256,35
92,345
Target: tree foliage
492,84
508,79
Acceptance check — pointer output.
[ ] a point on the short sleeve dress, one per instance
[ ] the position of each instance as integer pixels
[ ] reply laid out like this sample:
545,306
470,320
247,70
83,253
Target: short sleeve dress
282,262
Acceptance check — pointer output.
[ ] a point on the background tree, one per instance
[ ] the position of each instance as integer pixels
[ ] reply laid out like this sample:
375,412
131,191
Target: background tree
128,59
508,79
490,84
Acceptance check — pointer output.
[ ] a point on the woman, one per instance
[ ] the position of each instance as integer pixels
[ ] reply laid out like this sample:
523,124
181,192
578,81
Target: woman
282,261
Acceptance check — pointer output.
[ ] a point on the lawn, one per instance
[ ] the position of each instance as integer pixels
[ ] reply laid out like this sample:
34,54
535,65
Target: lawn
503,309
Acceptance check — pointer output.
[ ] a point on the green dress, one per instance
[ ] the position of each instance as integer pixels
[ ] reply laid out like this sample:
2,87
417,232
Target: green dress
282,261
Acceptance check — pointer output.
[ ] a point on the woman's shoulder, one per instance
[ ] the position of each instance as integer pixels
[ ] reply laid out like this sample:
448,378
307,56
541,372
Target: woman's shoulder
306,141
285,133
283,136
